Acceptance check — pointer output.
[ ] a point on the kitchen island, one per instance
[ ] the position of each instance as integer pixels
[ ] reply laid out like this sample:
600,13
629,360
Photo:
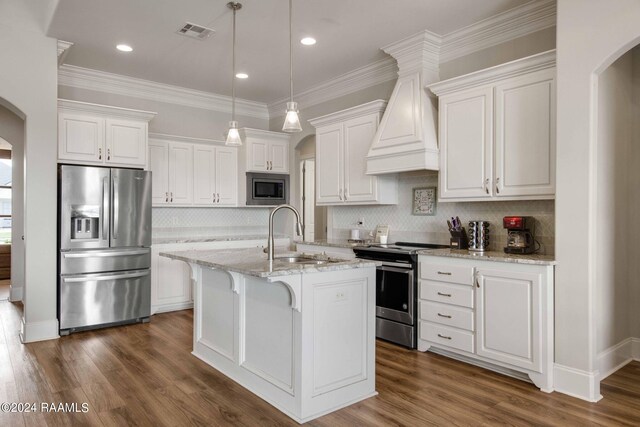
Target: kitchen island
299,333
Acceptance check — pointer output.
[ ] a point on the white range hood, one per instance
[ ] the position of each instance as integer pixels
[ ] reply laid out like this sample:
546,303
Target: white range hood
406,139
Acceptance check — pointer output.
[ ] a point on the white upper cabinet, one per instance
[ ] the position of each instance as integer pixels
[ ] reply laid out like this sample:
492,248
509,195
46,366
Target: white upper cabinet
264,151
215,175
102,135
342,142
191,171
497,132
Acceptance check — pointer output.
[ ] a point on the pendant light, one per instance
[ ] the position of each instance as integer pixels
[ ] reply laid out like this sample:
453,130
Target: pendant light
233,136
291,121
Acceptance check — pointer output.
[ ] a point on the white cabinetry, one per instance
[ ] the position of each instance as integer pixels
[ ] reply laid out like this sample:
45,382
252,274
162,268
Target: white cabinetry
102,135
342,142
172,167
188,172
265,151
214,176
489,312
497,132
171,285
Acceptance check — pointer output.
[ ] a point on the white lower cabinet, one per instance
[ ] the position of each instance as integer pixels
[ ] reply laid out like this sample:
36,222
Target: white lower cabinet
171,285
499,315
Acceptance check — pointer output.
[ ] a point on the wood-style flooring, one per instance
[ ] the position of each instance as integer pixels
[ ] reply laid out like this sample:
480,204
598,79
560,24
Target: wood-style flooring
145,375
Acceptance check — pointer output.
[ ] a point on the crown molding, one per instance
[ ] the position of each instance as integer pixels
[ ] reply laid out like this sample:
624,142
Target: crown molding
63,49
187,139
377,106
520,21
416,53
361,78
540,61
84,78
104,110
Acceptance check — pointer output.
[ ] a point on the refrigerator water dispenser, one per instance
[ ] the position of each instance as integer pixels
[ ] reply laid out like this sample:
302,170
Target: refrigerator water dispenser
85,222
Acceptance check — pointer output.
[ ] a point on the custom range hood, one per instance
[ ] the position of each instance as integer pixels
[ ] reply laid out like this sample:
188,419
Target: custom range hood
406,139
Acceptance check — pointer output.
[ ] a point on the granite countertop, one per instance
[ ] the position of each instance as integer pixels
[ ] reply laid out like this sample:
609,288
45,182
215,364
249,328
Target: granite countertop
196,239
253,262
335,243
491,256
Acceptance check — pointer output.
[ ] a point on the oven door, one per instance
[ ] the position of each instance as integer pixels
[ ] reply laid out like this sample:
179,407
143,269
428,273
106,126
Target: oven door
395,292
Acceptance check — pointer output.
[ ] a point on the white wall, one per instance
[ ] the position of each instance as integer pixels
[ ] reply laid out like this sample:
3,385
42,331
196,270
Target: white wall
28,81
591,34
12,130
633,213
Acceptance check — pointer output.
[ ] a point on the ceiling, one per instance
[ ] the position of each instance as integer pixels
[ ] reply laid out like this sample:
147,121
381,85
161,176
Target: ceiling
349,33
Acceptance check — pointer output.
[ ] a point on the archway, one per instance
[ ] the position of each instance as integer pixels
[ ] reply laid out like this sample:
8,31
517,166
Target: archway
12,215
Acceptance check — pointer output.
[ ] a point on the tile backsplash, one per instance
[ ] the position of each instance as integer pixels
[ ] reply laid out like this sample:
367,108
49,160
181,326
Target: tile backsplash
194,222
405,226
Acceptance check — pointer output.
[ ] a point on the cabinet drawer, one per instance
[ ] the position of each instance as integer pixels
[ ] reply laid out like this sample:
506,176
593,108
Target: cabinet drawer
447,273
445,293
444,335
446,314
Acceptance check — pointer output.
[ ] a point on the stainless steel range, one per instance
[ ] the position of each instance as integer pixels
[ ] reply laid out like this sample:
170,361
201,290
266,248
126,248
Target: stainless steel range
396,289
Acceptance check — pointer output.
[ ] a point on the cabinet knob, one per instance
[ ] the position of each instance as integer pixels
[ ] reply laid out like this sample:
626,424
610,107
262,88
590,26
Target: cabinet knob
497,185
218,198
486,185
166,197
99,153
345,194
172,197
340,194
108,153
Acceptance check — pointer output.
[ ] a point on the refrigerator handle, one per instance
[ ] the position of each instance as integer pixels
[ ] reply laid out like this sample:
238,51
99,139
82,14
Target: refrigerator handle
116,206
105,208
99,278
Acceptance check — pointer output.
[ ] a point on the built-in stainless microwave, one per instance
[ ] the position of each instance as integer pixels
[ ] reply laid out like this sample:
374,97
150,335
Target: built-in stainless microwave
267,189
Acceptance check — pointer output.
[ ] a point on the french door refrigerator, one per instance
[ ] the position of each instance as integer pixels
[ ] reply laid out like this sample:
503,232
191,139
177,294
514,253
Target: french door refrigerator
104,240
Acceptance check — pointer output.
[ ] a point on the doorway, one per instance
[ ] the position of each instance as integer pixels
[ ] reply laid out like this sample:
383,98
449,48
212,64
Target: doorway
314,217
5,219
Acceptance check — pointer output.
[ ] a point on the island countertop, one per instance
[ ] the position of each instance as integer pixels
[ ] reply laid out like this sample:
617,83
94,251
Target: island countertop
253,262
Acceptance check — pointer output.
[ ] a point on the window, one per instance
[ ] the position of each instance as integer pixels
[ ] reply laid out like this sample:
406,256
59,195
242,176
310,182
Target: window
5,196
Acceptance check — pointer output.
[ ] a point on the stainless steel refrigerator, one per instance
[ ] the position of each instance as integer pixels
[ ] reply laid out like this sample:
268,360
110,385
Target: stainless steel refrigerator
104,240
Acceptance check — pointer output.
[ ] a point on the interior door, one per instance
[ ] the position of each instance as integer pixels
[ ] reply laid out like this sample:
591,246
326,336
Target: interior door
131,207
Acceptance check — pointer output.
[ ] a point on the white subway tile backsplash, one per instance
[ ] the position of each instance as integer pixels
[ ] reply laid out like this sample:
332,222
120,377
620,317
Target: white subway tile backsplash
405,226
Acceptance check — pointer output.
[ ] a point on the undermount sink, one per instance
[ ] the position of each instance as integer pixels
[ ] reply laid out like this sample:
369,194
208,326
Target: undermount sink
304,260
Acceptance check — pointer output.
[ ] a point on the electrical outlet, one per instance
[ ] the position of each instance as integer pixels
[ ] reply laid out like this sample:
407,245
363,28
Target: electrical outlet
361,222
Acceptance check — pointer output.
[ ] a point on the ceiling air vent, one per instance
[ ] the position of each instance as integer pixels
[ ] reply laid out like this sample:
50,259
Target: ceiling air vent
196,31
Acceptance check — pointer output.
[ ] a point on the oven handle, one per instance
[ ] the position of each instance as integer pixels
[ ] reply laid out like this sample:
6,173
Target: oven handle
396,265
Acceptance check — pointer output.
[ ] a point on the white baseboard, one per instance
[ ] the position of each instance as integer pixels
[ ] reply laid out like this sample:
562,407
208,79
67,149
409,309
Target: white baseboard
165,308
615,357
15,293
635,348
38,331
584,385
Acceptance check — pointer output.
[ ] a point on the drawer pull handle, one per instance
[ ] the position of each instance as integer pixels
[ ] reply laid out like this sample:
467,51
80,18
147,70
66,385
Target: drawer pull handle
445,337
444,273
446,316
444,295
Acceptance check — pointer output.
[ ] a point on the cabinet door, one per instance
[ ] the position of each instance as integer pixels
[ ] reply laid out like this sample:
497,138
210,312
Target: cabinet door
180,173
257,156
525,135
171,282
466,140
358,134
159,167
126,142
204,175
278,157
80,138
329,164
226,176
508,318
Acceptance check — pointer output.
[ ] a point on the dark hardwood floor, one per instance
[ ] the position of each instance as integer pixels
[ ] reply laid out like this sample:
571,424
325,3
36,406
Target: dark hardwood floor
145,375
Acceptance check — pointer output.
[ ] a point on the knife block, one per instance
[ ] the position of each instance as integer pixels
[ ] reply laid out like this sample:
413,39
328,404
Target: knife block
459,239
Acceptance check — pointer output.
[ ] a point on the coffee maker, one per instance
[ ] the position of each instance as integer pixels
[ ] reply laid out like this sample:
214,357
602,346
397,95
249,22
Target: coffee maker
520,234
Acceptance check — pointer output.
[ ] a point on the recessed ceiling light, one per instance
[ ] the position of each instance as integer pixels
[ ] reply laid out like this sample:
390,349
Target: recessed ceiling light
242,75
124,48
308,41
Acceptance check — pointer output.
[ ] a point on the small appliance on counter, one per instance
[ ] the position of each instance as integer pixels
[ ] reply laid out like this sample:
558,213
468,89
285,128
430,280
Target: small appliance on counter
478,236
458,234
382,234
520,234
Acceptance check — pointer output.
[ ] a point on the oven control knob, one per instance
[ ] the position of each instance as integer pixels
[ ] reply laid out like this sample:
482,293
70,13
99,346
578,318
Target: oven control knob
404,306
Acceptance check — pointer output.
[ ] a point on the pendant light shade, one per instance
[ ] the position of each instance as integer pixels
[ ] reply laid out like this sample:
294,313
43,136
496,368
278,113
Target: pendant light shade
233,136
291,121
